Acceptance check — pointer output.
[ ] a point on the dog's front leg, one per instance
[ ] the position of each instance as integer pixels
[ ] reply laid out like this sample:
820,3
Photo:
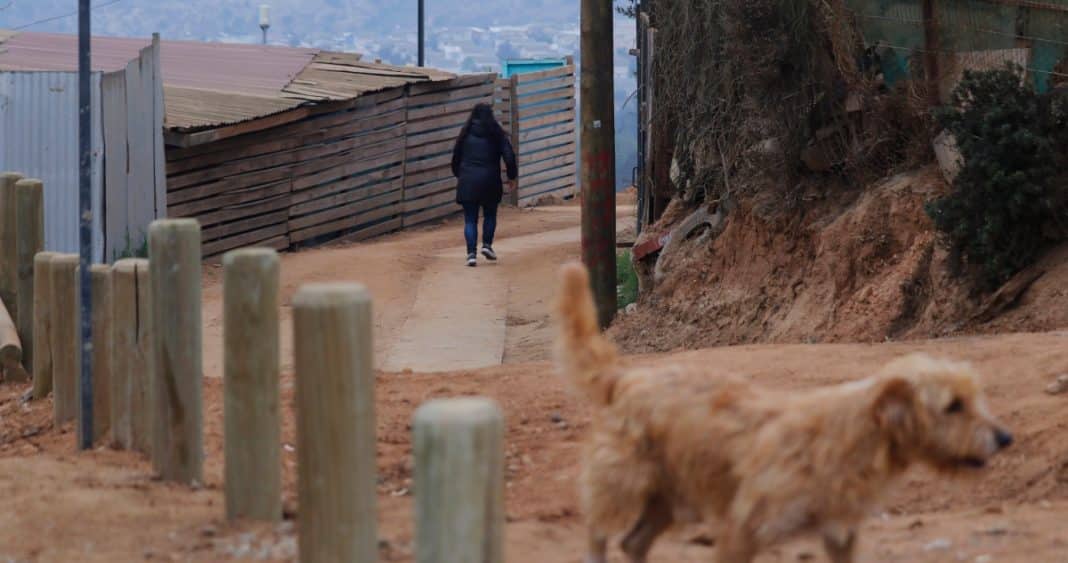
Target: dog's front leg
656,517
736,545
840,542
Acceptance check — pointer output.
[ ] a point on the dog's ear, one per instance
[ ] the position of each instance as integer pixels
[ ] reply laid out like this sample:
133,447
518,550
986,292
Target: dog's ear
894,409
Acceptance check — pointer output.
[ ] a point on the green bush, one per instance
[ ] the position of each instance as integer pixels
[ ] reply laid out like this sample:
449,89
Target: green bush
1005,191
626,280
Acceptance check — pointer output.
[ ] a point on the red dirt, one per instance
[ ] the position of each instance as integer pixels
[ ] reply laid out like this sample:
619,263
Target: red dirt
104,505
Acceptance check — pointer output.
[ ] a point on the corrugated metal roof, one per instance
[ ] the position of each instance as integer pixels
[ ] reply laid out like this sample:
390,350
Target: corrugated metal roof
208,85
39,139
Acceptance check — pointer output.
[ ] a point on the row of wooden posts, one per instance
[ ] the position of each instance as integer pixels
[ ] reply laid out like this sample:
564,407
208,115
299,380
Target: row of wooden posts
147,393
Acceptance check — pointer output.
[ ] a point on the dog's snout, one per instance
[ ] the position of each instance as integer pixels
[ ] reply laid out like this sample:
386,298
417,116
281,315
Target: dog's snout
1003,438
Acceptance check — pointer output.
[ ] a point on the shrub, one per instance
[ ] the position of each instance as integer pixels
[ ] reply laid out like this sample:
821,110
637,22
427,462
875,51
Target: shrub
1004,193
626,280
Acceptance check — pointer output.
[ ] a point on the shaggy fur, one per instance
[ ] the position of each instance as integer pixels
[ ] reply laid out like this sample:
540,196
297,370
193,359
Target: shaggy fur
670,443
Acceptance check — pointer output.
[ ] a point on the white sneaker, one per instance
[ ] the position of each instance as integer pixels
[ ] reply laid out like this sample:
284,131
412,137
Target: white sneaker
488,253
472,260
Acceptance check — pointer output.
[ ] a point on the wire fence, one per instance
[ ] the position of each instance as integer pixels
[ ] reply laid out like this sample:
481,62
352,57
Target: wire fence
947,37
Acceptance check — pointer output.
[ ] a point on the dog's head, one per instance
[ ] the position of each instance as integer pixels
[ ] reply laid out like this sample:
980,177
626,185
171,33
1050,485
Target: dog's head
934,411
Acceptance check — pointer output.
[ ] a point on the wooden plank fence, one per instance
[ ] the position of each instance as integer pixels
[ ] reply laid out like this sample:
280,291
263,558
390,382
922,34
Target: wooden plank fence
538,109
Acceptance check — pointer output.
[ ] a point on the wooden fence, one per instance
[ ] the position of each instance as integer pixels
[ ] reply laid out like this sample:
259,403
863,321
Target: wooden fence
538,109
350,170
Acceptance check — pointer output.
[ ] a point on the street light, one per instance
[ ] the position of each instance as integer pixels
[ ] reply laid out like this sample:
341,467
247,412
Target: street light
265,20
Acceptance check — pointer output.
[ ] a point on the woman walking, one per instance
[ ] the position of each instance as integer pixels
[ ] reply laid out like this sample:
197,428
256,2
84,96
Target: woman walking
476,163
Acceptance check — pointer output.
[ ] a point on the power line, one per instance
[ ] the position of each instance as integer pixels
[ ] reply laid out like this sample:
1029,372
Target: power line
54,18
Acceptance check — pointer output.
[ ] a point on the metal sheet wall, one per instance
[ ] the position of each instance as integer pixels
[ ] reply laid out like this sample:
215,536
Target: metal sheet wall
39,138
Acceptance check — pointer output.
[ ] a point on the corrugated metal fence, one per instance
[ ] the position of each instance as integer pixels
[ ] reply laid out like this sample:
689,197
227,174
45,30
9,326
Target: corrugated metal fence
39,139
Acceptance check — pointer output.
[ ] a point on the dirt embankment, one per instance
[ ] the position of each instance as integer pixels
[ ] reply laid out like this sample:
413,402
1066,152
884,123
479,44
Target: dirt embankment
867,270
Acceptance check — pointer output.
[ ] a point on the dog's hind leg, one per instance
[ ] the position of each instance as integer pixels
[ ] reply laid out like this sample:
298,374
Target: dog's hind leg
656,517
840,543
596,547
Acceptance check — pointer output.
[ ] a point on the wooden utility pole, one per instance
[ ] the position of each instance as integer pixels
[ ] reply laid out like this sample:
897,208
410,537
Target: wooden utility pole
29,216
599,156
335,423
931,50
252,422
459,481
174,259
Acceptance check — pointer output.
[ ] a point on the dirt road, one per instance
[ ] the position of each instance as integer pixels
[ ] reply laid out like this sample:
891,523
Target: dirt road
104,505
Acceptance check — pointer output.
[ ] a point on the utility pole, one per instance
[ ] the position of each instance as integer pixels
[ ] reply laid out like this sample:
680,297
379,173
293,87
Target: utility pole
85,204
422,33
598,155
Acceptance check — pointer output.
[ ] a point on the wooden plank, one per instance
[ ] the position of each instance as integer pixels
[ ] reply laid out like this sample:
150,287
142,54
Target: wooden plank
346,197
431,188
416,166
545,132
359,125
552,119
528,77
431,214
342,211
350,222
176,167
551,174
420,204
242,210
159,110
565,160
140,202
250,238
225,230
113,116
191,209
229,185
535,87
439,147
450,134
347,184
532,149
476,91
348,169
184,140
566,191
532,157
423,126
433,175
232,168
546,108
562,94
462,106
368,154
458,82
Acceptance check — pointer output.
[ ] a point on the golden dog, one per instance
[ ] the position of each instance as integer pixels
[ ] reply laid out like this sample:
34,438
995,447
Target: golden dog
670,443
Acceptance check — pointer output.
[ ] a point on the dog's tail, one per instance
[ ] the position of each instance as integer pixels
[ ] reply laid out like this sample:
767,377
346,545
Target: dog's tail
585,356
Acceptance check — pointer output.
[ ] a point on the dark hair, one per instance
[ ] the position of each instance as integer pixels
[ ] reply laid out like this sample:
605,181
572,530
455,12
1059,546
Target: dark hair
482,112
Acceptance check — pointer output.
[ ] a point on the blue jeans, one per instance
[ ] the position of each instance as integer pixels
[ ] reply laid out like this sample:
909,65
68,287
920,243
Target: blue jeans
489,224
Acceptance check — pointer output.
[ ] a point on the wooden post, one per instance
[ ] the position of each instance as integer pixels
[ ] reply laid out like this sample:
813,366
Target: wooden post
10,349
8,240
513,106
174,258
931,51
250,396
65,337
131,368
29,212
335,423
459,481
101,295
42,324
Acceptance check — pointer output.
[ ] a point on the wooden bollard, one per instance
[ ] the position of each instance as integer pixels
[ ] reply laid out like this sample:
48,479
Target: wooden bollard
250,397
100,276
131,353
10,349
335,423
29,211
8,241
174,260
459,481
42,324
66,337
